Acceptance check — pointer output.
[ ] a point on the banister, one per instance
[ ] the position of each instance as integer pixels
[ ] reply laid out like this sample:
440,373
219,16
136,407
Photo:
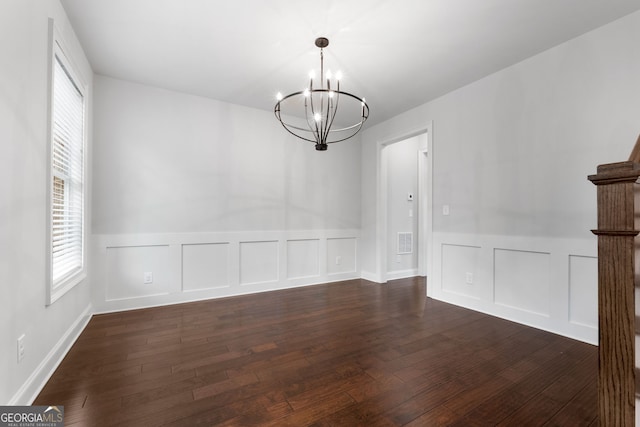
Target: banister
618,196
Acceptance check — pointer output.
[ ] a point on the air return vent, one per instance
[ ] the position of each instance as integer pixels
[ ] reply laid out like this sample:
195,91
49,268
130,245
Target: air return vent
405,243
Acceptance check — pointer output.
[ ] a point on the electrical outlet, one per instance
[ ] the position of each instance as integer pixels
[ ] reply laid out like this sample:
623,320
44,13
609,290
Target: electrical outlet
338,260
148,277
20,348
469,278
445,210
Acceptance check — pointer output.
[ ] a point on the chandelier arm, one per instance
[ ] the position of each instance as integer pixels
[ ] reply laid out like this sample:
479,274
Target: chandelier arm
363,118
356,126
335,110
327,123
359,125
313,113
337,96
313,123
289,127
344,129
323,122
308,100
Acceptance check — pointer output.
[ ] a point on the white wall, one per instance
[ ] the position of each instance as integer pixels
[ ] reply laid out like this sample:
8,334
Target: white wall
24,45
511,155
216,198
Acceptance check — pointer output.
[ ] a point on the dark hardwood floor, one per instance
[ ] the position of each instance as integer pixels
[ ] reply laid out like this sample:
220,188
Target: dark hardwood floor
352,353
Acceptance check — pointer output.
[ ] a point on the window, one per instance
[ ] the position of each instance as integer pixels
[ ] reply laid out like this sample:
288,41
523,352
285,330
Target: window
67,189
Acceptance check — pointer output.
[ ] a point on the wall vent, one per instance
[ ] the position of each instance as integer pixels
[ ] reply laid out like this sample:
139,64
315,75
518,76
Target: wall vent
405,243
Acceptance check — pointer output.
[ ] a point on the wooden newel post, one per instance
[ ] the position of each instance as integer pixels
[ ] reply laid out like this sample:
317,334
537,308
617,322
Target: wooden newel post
618,202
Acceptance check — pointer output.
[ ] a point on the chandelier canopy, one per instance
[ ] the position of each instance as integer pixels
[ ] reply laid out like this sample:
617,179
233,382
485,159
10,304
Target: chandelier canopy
311,114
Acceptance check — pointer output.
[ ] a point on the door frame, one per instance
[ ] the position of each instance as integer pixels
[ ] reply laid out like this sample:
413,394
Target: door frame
425,208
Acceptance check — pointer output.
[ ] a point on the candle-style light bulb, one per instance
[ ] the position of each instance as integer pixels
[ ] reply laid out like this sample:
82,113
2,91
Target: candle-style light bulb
339,75
317,117
279,96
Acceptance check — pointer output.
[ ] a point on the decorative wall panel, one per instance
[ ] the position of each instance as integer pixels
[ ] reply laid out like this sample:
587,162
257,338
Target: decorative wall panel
126,268
460,272
341,255
303,258
205,266
522,280
258,262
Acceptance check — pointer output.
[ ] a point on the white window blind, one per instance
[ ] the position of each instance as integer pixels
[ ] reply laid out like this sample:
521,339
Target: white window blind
67,176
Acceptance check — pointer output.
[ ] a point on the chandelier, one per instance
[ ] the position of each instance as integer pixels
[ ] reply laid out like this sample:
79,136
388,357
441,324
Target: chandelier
312,114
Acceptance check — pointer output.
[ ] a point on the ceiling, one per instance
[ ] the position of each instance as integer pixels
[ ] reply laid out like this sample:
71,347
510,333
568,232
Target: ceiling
396,53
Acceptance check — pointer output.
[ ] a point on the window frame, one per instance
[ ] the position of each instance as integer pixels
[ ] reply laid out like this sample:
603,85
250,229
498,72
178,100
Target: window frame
58,53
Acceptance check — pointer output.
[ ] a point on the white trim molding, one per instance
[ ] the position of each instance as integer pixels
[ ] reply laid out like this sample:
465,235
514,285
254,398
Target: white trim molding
38,379
216,265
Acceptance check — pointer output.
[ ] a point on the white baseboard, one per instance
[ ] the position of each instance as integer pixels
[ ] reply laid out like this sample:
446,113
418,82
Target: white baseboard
402,274
37,380
549,283
372,277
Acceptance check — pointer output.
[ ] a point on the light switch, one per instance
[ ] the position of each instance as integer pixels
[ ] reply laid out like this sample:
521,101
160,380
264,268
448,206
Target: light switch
445,209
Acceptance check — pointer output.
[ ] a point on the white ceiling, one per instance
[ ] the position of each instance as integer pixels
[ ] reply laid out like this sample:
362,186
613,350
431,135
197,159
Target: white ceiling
396,53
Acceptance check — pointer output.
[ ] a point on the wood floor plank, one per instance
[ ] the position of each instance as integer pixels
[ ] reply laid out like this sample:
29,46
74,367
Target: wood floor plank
552,399
580,410
341,354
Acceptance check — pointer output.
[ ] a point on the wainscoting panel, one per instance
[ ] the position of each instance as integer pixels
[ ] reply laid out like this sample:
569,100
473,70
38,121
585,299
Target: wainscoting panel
205,266
583,290
258,262
460,270
197,266
341,256
522,280
126,268
545,282
303,258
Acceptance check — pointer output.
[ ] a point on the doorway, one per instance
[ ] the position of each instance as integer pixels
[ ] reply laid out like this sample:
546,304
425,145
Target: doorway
420,208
